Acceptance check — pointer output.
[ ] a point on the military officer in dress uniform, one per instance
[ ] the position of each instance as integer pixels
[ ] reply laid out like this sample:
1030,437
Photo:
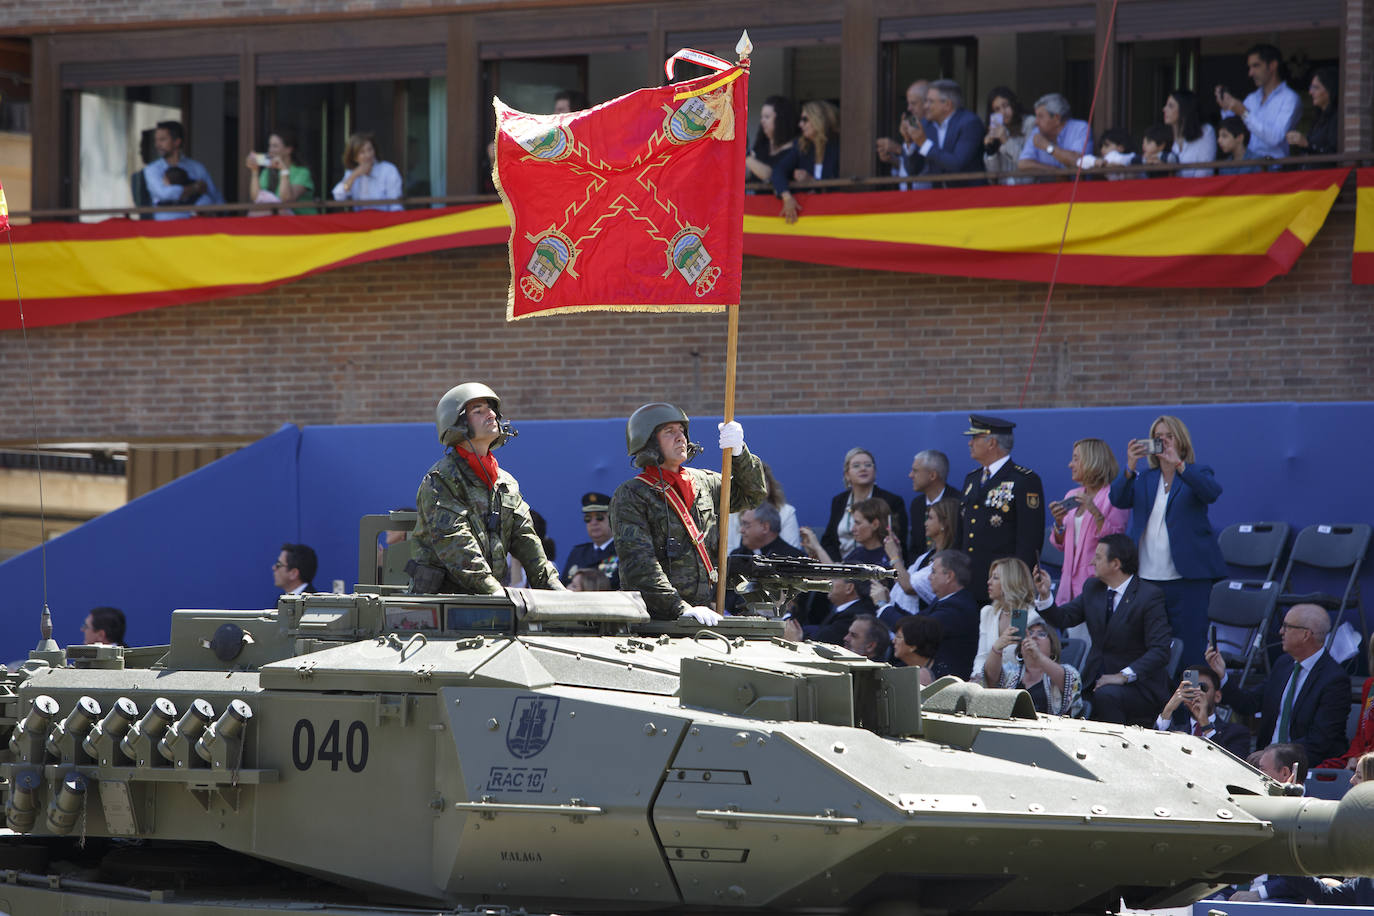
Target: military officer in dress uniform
1003,505
599,552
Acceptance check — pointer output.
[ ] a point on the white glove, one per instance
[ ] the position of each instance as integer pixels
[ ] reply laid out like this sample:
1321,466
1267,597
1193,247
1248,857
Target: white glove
1115,158
1087,161
703,615
731,435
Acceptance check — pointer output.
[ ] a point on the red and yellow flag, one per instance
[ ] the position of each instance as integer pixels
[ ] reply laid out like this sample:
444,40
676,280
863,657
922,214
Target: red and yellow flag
635,204
1239,230
1362,262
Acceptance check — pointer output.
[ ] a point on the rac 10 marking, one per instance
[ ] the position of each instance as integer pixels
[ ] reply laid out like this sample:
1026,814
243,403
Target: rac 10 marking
352,752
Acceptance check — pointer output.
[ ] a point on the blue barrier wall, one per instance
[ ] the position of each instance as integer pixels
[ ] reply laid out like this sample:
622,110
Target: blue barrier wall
209,539
193,543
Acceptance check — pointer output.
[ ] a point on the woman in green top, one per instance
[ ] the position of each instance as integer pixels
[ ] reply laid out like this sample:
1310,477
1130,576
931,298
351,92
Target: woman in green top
276,177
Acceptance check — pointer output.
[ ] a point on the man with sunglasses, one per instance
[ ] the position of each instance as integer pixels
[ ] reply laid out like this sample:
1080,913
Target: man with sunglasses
599,552
295,569
1306,697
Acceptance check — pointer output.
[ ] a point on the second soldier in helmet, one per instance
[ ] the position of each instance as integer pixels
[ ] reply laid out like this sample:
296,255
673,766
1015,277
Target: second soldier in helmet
665,520
471,514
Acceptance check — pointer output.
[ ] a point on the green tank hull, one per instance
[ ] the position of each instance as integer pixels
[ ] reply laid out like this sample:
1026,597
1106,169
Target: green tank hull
562,752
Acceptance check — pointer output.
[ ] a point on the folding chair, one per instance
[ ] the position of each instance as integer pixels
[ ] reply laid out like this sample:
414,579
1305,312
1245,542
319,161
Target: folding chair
1242,610
1253,550
1331,784
1338,549
1073,652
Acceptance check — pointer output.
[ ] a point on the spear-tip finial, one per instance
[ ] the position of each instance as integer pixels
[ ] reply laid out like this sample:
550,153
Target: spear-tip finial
745,47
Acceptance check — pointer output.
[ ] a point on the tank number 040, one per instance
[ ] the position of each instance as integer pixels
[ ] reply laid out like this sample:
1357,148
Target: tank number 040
351,750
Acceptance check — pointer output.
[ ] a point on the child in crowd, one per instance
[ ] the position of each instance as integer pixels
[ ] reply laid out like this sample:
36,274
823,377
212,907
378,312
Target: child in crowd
176,175
1157,147
1115,149
1233,140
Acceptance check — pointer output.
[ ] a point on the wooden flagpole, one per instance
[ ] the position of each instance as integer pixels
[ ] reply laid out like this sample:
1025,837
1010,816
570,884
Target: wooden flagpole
744,48
723,524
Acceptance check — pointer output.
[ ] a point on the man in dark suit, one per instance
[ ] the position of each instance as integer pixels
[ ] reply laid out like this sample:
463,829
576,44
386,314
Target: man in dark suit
1306,698
845,604
1193,709
1003,511
950,140
1127,666
957,612
759,535
599,552
868,637
294,569
929,478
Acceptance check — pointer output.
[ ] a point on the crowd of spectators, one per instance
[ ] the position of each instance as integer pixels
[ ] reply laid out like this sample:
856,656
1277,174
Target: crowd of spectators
1109,638
938,135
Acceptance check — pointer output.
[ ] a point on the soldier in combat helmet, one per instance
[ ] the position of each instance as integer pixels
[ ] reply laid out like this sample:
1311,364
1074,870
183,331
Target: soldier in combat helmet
471,514
665,520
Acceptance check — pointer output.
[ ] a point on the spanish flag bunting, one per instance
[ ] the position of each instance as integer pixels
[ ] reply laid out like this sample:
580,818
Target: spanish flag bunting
1240,230
636,204
1362,264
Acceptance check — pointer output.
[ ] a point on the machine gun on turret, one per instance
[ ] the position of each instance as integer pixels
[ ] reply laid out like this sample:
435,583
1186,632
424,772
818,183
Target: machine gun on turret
766,584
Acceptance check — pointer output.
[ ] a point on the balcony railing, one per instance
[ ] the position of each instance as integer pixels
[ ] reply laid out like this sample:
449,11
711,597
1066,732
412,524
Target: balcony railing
852,184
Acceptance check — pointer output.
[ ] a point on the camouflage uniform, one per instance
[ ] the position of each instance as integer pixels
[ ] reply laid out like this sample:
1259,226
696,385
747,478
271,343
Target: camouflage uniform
642,521
451,532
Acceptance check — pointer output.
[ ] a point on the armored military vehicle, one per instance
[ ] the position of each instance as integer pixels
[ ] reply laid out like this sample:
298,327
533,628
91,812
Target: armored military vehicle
394,754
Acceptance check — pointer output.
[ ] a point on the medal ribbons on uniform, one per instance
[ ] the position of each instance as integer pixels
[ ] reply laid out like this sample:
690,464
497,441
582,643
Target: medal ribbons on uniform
1002,496
664,489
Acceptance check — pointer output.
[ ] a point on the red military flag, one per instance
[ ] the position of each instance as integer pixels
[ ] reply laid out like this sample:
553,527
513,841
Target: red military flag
635,204
4,211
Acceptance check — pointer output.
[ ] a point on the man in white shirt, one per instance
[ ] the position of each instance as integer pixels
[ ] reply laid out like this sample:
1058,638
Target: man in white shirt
1271,110
294,569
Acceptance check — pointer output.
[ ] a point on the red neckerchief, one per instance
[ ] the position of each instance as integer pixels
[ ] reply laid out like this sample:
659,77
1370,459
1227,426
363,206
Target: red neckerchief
484,466
669,485
678,481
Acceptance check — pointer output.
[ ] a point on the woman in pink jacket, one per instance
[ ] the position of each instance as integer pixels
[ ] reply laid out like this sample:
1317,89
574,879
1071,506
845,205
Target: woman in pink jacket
1085,514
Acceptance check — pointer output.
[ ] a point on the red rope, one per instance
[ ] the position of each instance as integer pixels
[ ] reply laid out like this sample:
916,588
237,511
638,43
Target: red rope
1073,194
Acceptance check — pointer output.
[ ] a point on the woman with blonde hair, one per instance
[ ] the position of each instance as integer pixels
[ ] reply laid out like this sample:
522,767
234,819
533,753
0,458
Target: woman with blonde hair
1010,588
815,156
1084,516
860,480
1178,546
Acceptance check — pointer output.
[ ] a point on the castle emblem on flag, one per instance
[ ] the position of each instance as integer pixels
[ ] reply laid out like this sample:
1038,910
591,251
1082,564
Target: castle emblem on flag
692,120
687,253
553,254
549,144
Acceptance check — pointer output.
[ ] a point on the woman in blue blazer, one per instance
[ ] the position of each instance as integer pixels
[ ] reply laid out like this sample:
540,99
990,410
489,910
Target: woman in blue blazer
1178,547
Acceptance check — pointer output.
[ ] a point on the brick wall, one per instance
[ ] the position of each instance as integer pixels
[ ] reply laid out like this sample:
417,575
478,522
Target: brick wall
380,343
